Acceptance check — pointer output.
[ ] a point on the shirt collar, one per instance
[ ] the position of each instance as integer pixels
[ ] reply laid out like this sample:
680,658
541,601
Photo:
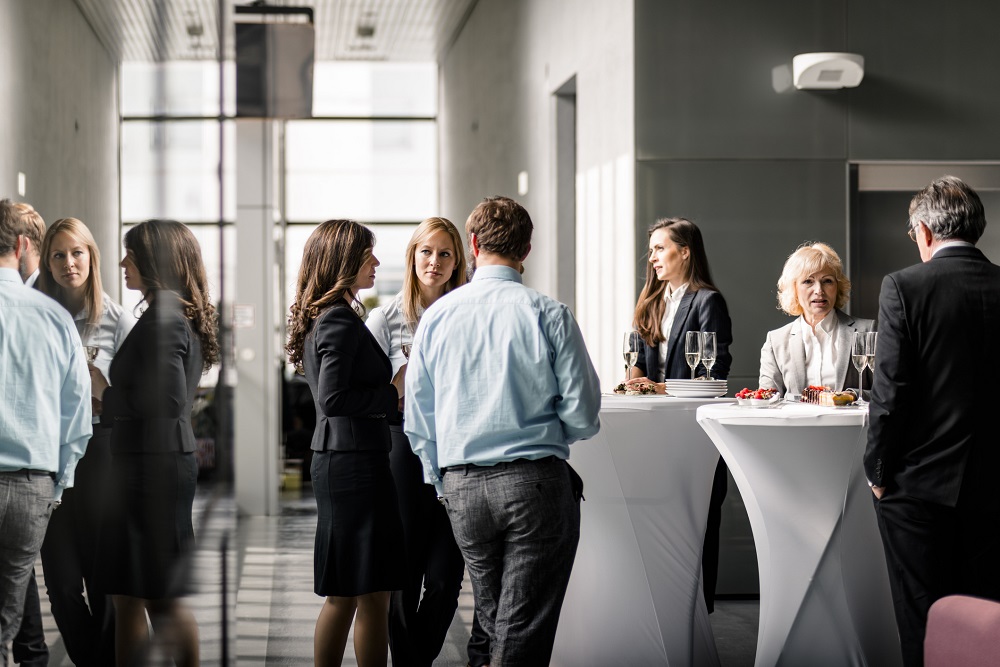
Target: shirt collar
826,325
951,244
496,272
829,323
11,275
675,295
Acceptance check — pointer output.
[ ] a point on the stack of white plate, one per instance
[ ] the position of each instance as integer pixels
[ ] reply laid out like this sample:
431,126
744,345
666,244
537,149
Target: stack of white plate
696,388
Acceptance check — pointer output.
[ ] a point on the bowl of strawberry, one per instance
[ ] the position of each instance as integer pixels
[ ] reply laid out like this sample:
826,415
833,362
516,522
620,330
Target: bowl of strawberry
757,398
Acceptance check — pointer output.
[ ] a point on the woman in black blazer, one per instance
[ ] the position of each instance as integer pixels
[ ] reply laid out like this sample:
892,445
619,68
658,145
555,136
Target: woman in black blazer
358,556
154,376
677,274
678,280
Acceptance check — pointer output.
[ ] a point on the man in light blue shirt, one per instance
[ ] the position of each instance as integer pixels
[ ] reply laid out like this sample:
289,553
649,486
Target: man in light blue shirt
45,418
499,384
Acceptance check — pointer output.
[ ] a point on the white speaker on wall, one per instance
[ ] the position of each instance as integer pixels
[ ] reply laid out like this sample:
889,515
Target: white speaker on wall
826,71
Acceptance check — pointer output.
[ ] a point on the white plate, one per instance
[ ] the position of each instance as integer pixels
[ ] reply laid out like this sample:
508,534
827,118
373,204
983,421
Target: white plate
694,393
697,382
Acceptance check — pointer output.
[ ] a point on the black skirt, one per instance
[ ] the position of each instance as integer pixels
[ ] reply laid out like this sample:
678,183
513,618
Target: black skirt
359,536
147,533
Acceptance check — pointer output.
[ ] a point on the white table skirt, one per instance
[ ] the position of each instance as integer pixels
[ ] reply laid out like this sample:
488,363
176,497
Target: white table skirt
635,595
824,590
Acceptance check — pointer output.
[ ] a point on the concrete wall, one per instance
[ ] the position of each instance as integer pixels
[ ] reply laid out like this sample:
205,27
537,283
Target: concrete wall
498,118
59,121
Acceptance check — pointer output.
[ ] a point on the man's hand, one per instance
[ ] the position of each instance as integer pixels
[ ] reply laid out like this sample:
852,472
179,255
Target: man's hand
878,491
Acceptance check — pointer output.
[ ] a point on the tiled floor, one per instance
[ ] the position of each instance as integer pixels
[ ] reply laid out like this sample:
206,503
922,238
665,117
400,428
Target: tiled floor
272,615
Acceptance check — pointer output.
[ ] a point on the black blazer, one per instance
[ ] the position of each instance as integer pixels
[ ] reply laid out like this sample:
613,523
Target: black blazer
350,379
703,310
153,377
932,432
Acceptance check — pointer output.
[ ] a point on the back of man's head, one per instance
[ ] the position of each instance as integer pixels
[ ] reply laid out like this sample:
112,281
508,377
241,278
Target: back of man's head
950,209
502,227
32,225
10,226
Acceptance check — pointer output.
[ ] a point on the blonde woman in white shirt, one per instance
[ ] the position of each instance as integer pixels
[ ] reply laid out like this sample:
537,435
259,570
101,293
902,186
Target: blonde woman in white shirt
70,274
815,348
418,625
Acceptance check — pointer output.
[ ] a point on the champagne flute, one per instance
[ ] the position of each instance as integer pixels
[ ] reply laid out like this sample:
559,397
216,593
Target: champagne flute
692,350
630,350
708,351
871,340
405,338
88,334
859,357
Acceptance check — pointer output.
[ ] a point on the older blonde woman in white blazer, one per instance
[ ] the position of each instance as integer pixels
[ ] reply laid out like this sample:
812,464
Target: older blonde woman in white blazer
815,348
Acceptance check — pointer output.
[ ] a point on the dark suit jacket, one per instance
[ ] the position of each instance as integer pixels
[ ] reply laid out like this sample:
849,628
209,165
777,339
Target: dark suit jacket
704,310
349,376
154,376
933,432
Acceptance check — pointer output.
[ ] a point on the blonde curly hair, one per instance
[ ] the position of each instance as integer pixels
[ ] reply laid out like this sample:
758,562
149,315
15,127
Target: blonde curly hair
807,259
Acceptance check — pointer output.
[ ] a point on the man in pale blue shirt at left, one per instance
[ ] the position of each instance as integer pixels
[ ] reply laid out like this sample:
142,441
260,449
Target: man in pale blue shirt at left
499,384
45,418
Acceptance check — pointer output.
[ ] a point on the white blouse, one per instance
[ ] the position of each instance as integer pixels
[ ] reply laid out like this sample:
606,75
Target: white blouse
386,325
821,351
108,334
673,300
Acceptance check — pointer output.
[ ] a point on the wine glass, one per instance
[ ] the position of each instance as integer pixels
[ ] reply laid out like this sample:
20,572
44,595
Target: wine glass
88,336
692,350
405,338
871,340
708,351
630,350
859,357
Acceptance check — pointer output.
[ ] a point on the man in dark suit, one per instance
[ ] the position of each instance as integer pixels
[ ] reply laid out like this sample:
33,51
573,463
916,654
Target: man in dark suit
933,445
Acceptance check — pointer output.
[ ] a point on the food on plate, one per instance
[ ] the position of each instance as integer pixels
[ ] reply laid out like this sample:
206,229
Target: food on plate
744,396
832,399
637,389
811,393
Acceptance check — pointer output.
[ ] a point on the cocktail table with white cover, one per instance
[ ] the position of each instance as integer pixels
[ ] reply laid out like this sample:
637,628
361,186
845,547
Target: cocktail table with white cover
635,594
824,590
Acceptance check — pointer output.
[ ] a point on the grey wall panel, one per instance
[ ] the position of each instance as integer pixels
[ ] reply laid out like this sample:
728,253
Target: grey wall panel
930,89
704,84
752,214
879,234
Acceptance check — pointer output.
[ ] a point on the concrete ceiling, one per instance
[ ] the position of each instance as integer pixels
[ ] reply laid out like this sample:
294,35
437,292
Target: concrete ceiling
162,30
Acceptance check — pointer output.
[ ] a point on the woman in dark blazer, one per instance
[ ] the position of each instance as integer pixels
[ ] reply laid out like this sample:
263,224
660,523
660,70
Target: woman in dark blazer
678,279
154,376
358,556
679,292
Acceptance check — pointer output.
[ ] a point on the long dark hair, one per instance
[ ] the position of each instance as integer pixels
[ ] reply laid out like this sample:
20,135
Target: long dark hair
331,262
650,308
168,258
